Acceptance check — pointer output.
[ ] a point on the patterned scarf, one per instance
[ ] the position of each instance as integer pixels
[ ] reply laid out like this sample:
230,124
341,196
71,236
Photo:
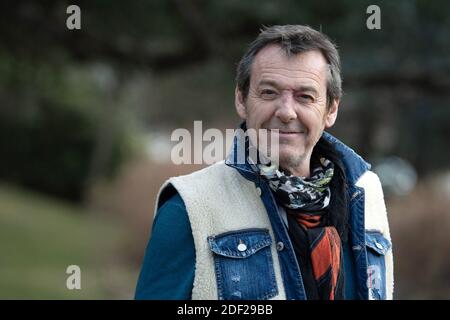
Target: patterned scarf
306,200
307,194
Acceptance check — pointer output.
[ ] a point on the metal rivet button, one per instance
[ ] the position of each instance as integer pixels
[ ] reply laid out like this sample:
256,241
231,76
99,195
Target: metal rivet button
378,245
258,191
280,246
242,247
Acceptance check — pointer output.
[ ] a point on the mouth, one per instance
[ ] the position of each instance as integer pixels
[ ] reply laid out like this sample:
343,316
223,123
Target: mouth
288,132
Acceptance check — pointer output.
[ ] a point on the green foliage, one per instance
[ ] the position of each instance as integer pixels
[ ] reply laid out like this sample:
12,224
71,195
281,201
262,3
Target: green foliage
52,105
40,237
51,150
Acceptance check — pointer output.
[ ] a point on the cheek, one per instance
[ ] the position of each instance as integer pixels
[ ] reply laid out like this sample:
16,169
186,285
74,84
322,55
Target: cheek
260,114
314,123
310,119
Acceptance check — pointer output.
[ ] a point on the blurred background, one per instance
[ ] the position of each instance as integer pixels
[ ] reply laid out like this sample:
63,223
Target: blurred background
86,118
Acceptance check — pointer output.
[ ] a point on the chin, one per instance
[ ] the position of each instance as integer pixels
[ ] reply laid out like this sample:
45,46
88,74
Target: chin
291,151
290,158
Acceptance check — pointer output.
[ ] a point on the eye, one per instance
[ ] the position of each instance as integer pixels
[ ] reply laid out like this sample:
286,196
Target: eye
268,94
306,97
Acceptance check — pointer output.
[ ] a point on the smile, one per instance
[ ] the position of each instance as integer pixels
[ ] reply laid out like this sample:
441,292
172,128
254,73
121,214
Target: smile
289,133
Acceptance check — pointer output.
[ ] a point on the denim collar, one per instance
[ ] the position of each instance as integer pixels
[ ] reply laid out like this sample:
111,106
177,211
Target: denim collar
354,164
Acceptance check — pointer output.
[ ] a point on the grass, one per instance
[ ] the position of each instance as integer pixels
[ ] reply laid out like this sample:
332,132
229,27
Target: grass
40,237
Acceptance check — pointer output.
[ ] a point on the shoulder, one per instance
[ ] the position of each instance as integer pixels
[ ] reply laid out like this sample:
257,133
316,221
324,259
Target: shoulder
370,181
218,169
374,204
171,215
355,166
205,182
373,190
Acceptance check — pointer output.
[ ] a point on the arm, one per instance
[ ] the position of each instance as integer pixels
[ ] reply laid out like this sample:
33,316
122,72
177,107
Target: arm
169,263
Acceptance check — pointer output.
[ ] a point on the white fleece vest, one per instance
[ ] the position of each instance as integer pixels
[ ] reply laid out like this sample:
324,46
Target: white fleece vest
218,199
376,219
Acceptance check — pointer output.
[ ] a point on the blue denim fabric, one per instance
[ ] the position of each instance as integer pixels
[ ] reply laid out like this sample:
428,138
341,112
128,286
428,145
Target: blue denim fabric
244,265
377,247
361,254
355,167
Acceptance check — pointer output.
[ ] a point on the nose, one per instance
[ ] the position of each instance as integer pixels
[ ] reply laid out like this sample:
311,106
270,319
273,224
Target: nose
286,107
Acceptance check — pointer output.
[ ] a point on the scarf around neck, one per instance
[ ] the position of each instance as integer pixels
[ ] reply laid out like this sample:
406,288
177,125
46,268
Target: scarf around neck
308,194
306,200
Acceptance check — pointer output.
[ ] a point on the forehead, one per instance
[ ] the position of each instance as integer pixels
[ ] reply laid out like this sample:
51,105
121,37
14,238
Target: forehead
273,63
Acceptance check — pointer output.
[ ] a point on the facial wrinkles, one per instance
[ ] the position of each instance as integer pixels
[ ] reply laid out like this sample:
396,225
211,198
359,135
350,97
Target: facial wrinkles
282,84
274,62
289,74
290,78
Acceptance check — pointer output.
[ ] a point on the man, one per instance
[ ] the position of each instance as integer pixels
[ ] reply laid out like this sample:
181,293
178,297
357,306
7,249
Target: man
312,226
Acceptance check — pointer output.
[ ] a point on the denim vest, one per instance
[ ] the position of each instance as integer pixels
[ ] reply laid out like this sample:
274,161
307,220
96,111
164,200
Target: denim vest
364,256
252,257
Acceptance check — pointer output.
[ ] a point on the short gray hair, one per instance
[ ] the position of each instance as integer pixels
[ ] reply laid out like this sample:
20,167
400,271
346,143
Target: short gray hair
294,39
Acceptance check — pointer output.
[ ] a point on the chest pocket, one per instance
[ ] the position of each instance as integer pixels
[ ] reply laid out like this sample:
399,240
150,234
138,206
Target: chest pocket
244,265
377,247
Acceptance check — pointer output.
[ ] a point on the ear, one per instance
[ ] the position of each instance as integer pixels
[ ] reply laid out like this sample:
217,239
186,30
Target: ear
332,113
239,104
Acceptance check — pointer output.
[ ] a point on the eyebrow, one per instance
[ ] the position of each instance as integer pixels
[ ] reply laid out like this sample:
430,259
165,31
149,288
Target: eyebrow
300,88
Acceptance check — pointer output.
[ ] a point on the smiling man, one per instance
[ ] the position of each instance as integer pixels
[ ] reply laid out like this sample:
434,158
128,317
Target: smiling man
289,93
311,225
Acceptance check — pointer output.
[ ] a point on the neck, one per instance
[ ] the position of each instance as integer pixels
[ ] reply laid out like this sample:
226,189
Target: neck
301,169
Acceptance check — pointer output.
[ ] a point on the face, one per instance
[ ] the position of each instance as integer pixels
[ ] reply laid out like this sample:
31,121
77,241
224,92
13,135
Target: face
289,94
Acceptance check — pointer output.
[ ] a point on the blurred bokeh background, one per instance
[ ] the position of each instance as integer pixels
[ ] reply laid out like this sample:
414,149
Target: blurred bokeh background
86,118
